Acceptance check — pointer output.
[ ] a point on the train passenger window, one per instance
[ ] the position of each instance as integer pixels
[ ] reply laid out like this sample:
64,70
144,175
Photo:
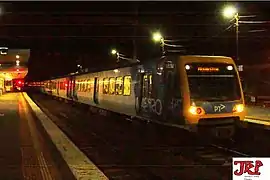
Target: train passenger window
77,85
83,86
105,86
112,85
80,85
88,85
150,85
119,86
127,85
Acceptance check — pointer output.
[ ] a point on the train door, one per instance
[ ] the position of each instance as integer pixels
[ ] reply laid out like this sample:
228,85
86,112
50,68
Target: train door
57,87
96,90
151,105
68,88
172,94
74,88
138,92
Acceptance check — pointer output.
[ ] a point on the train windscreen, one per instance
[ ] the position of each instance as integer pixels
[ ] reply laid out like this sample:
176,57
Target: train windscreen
213,82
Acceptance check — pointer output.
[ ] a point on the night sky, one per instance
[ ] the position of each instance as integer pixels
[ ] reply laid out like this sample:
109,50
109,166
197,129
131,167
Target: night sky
62,35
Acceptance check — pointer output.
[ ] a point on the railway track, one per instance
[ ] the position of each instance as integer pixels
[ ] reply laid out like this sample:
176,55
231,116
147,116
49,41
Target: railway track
136,150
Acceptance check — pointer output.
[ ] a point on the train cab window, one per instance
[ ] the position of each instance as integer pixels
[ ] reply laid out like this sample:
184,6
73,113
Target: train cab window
127,85
119,86
105,86
112,85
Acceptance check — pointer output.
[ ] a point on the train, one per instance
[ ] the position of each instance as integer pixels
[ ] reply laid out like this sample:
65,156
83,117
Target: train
14,85
2,85
197,93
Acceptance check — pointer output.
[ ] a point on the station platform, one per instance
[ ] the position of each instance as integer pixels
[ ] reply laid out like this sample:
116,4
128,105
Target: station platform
27,152
258,115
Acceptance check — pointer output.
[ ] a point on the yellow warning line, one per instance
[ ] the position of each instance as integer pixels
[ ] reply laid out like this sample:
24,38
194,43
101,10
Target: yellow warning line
258,118
43,167
79,164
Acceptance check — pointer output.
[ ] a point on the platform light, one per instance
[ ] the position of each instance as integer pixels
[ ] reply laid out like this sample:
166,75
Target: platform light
17,70
17,56
157,37
17,62
229,12
114,51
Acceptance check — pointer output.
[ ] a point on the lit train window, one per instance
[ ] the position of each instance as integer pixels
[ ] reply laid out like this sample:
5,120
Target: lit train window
119,86
127,85
77,85
83,86
88,85
105,86
112,85
150,85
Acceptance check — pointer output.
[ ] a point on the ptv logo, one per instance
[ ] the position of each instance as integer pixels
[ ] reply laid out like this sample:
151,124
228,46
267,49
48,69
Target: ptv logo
249,167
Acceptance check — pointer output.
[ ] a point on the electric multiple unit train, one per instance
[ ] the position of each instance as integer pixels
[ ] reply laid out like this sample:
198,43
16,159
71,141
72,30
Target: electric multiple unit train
193,92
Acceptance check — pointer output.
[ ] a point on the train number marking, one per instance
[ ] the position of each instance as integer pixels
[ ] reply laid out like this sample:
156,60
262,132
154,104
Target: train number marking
219,108
152,105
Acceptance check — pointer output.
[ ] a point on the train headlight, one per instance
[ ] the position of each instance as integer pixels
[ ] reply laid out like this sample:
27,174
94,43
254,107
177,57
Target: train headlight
187,67
195,110
229,68
238,108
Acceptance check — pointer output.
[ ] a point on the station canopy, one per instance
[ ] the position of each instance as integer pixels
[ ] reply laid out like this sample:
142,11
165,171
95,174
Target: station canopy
13,63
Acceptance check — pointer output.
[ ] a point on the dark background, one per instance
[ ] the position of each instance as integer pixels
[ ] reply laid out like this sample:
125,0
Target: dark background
64,34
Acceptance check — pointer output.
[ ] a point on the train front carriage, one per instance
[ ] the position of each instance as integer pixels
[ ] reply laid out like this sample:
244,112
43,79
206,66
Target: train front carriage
212,93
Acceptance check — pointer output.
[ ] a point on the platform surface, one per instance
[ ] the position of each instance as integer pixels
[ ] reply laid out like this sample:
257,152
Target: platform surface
23,151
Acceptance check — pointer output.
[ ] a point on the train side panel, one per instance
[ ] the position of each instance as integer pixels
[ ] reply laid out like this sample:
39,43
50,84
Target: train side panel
84,88
116,91
110,95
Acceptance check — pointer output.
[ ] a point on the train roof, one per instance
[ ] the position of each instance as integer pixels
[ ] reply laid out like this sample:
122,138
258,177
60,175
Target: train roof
133,64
